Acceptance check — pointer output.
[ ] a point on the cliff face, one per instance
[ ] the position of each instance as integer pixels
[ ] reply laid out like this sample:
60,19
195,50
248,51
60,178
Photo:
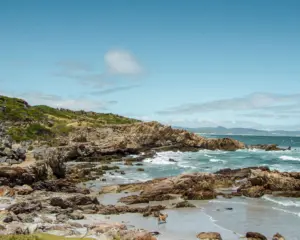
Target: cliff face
118,140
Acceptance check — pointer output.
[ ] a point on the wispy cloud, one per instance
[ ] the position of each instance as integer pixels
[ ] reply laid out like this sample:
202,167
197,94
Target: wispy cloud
121,62
113,90
255,101
117,62
77,103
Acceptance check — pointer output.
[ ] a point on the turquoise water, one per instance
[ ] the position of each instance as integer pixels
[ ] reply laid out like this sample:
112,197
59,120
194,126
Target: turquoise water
266,215
212,161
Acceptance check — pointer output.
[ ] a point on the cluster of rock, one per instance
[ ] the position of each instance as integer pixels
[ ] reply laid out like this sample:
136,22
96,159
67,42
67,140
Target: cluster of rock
250,182
113,142
249,236
10,155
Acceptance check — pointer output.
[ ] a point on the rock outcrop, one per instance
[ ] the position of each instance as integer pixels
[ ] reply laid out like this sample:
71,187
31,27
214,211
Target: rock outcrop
250,182
9,154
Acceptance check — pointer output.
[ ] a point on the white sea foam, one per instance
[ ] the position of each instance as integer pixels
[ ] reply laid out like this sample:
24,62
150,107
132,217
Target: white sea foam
289,158
228,202
163,158
217,160
287,211
286,203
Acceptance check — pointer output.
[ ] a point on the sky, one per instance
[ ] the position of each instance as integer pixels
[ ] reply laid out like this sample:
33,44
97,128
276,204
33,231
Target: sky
185,63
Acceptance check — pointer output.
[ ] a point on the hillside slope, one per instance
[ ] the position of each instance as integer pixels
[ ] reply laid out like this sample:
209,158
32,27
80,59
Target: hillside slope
25,122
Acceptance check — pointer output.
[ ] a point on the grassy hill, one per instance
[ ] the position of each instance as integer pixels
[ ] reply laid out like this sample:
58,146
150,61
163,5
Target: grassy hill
27,122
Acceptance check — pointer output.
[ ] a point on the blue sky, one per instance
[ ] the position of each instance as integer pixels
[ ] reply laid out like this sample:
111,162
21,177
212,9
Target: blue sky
187,63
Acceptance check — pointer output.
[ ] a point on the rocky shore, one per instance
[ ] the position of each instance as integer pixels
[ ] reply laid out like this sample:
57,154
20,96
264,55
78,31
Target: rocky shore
42,185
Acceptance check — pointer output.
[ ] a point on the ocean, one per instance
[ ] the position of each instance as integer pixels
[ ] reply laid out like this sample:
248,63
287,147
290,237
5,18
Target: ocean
266,215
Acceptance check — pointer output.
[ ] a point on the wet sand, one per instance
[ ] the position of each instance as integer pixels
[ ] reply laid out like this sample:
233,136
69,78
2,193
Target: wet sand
232,218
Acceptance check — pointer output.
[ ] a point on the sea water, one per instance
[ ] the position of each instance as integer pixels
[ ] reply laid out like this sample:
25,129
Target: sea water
266,215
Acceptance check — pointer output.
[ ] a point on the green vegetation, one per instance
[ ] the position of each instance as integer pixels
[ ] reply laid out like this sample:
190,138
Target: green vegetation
44,122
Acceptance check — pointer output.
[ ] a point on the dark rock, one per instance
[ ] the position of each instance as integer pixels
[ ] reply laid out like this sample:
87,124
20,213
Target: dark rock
253,192
62,203
209,236
172,160
185,204
255,236
25,207
278,236
10,217
230,209
140,169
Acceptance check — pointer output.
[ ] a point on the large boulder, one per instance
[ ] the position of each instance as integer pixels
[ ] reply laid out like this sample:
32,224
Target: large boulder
255,236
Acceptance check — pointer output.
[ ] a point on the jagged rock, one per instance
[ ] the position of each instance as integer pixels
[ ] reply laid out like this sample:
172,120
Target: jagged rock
25,207
10,217
62,218
209,236
23,190
62,203
185,204
26,218
254,192
83,200
278,236
59,185
255,236
76,215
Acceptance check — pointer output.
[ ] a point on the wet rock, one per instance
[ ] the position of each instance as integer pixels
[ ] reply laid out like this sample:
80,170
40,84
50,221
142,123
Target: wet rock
253,192
139,164
110,189
172,160
185,204
140,169
255,236
209,236
278,236
229,209
201,195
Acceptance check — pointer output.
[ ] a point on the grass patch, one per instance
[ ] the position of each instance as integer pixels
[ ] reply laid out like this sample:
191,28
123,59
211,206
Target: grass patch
44,122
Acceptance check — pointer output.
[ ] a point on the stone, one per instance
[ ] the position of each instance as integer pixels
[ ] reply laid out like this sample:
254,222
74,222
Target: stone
278,236
59,202
185,204
255,236
76,215
25,207
209,236
140,169
254,192
23,190
62,217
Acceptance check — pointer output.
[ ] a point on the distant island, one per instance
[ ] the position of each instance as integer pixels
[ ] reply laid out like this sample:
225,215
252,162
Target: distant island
240,131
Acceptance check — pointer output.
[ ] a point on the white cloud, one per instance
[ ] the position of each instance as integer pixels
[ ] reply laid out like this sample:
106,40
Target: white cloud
38,98
255,101
121,62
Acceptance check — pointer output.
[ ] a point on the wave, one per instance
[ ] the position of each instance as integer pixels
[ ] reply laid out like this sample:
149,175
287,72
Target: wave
217,160
289,158
163,158
228,202
287,211
286,203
